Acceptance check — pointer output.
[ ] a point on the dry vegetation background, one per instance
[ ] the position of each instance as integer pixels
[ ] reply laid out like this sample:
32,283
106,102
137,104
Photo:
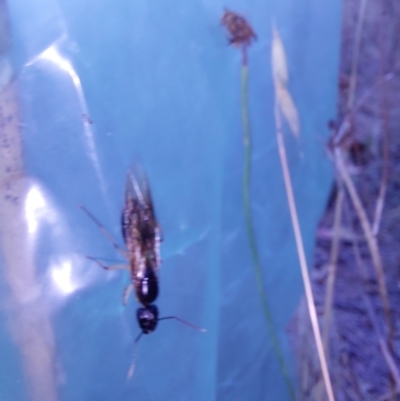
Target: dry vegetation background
356,274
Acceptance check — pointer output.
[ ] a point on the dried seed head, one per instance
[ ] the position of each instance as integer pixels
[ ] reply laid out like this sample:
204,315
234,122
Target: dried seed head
241,32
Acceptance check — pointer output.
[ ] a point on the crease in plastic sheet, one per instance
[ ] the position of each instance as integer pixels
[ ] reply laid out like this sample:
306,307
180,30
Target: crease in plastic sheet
52,57
101,86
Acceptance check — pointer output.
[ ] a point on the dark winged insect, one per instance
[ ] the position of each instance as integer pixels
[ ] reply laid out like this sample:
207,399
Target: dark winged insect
142,236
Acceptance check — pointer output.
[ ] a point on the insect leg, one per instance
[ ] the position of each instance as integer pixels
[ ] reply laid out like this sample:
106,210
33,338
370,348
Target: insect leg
105,232
105,267
184,322
126,294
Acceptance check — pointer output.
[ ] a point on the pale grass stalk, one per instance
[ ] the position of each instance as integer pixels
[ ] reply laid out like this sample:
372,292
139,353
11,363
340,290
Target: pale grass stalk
388,395
346,123
390,362
374,320
380,201
370,91
385,173
301,254
332,268
356,53
371,239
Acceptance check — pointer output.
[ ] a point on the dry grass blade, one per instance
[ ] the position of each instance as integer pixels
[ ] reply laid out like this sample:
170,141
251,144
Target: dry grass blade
371,240
302,258
388,395
346,123
278,56
288,109
390,362
385,173
332,268
279,70
374,320
343,234
381,197
281,79
356,52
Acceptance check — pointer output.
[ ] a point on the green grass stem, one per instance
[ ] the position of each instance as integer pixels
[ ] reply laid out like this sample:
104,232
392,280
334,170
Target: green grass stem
251,234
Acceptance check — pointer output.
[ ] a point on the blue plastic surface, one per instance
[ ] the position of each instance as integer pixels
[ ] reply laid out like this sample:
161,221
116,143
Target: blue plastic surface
103,84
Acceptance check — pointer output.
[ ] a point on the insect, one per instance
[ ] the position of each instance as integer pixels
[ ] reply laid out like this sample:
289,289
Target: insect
240,30
142,236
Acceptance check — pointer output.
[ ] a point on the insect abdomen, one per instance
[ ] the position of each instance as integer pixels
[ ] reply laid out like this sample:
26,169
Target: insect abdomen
147,287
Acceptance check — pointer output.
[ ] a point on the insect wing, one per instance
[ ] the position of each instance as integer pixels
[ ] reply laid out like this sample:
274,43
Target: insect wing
137,188
140,226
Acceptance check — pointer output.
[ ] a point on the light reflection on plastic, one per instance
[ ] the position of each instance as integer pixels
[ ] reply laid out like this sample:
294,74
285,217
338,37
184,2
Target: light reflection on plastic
34,207
38,211
52,55
62,277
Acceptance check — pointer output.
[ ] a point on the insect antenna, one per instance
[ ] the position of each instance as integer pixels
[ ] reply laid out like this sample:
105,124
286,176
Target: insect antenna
184,322
131,370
